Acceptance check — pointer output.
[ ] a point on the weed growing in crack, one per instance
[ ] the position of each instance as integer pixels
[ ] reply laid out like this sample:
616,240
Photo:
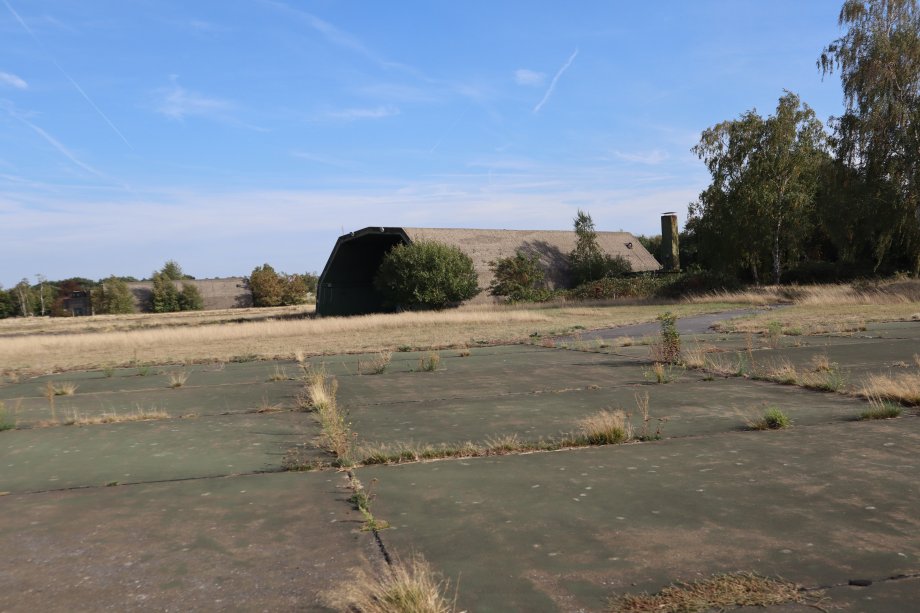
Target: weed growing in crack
660,373
65,388
50,393
375,365
606,428
361,499
880,408
278,374
773,419
6,422
177,379
774,334
429,362
139,414
403,587
336,437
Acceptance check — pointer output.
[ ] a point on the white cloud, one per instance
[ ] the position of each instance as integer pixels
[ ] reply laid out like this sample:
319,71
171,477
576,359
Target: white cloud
379,112
642,157
176,102
12,80
552,85
523,76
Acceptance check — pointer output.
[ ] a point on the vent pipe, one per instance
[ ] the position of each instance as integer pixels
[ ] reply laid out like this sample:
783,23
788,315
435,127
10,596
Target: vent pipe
670,247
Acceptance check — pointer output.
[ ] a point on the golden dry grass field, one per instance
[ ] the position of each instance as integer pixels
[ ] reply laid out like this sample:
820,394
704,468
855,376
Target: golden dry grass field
39,345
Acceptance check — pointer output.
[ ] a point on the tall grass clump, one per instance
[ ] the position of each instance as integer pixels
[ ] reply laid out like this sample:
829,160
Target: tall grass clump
606,428
903,388
880,408
278,374
402,587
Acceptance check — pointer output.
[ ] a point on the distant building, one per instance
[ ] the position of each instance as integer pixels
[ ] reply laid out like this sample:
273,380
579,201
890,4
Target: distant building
78,304
346,284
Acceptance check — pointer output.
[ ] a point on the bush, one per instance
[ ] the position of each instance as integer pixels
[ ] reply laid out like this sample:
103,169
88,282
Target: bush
519,278
190,298
652,285
112,296
165,298
270,288
426,275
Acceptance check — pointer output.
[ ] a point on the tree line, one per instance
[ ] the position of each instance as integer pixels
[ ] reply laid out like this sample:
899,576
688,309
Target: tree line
171,292
792,199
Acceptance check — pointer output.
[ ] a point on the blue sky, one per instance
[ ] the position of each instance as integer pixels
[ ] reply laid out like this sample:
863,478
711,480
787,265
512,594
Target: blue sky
225,134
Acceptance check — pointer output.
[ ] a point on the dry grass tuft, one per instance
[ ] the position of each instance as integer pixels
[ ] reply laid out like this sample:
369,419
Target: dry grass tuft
429,362
606,428
782,372
177,379
917,359
65,388
139,414
375,365
821,363
336,436
741,589
903,388
403,587
278,374
268,407
465,353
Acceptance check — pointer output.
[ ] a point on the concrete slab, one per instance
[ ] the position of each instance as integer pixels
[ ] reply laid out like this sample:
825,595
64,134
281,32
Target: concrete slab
690,406
187,400
66,457
564,531
254,543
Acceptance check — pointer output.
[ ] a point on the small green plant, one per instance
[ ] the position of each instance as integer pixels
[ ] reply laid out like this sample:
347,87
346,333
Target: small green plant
660,373
646,434
108,371
667,349
361,499
404,348
774,334
773,419
429,362
143,371
376,365
177,379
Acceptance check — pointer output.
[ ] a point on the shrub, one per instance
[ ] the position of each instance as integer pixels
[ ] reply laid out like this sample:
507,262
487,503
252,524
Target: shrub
520,278
112,296
270,288
426,275
668,347
190,298
773,419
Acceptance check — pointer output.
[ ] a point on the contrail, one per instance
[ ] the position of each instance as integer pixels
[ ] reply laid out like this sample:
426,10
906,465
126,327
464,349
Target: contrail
552,85
67,76
61,148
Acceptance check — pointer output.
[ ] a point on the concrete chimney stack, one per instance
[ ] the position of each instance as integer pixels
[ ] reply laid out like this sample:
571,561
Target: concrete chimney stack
670,247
